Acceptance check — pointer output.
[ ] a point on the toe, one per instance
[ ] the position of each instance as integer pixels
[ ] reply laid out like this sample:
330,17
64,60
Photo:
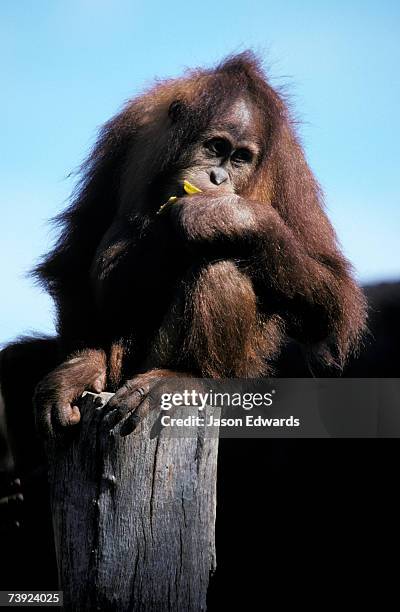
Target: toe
125,401
65,415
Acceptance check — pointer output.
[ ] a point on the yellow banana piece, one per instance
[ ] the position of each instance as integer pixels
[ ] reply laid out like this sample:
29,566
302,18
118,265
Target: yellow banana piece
189,189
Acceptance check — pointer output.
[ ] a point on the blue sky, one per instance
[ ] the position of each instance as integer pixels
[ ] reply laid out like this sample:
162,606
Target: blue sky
67,66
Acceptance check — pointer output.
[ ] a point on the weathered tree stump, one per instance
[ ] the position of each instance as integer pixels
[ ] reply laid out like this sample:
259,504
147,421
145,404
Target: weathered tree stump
134,516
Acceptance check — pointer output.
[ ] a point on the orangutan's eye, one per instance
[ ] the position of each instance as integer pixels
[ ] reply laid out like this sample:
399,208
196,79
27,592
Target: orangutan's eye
220,147
242,156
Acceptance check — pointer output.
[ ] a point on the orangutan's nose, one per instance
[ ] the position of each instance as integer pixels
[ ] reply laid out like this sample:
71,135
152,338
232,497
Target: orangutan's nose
218,176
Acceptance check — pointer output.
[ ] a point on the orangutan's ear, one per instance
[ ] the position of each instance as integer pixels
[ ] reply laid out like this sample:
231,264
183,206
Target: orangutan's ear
177,110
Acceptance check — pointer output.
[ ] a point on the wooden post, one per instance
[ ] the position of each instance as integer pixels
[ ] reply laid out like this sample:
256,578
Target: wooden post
134,516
